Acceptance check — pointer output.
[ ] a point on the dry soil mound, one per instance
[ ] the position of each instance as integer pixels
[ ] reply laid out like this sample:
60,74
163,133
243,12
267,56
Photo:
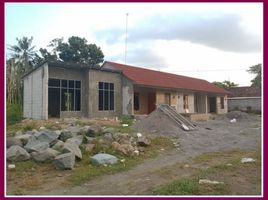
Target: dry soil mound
159,124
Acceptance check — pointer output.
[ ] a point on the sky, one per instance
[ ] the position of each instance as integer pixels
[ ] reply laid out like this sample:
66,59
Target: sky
212,41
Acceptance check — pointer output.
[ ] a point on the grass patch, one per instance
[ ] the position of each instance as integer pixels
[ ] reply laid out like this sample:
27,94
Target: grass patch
52,126
29,126
179,187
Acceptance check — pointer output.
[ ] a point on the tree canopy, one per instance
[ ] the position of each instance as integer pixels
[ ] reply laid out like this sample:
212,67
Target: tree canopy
225,84
76,50
255,69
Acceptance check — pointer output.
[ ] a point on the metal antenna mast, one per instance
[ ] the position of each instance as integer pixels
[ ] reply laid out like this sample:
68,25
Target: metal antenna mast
126,39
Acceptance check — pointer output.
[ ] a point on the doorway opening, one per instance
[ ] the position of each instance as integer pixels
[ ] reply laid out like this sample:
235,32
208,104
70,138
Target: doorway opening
212,104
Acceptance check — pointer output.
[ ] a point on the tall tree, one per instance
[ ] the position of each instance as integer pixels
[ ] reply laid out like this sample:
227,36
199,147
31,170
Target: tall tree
21,60
255,69
23,53
78,51
225,84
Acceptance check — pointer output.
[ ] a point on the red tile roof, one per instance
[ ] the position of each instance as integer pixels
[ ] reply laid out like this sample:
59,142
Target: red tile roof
245,92
152,78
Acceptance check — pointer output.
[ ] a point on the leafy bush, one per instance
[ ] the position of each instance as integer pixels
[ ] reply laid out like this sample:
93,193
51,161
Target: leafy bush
14,113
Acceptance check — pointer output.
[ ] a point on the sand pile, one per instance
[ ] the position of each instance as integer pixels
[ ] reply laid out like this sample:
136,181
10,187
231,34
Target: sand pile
237,115
158,123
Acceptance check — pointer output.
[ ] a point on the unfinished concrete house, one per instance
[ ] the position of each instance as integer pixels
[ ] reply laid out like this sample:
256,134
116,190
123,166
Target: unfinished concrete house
58,89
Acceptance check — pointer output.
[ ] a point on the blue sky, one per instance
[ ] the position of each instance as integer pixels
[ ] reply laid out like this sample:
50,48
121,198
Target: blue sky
215,42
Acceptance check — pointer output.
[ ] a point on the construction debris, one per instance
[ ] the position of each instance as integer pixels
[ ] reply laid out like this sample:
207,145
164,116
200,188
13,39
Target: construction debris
184,123
233,120
206,181
247,160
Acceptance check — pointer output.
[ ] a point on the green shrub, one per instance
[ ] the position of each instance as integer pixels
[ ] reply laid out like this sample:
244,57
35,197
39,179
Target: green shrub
14,113
126,119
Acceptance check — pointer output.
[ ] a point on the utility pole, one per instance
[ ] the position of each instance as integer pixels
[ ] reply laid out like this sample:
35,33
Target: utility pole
126,39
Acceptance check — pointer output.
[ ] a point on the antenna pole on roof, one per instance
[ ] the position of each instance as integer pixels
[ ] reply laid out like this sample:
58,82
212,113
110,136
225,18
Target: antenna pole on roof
126,39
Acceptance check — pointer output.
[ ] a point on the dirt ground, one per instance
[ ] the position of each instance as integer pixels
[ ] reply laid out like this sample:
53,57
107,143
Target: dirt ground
238,140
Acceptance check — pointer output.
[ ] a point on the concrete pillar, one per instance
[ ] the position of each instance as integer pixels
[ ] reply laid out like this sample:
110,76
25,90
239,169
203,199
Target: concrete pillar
206,106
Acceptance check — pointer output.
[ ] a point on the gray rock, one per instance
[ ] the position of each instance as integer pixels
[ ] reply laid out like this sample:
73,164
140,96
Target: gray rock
65,134
94,131
24,138
49,137
143,141
77,139
58,132
74,129
40,146
46,155
73,148
58,146
126,149
32,141
64,161
108,138
32,132
85,128
11,141
108,130
124,138
17,153
102,158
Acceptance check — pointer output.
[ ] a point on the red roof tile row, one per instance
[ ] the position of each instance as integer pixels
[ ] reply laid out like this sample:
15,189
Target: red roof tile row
245,92
152,78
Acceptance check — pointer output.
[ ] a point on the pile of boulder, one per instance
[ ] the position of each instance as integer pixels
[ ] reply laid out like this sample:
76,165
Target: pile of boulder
63,147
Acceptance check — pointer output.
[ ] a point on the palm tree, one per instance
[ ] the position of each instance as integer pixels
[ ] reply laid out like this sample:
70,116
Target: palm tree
22,57
23,53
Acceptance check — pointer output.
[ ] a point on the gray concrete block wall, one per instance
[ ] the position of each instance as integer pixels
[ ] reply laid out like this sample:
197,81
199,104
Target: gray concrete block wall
27,96
34,94
37,94
45,92
243,104
96,76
